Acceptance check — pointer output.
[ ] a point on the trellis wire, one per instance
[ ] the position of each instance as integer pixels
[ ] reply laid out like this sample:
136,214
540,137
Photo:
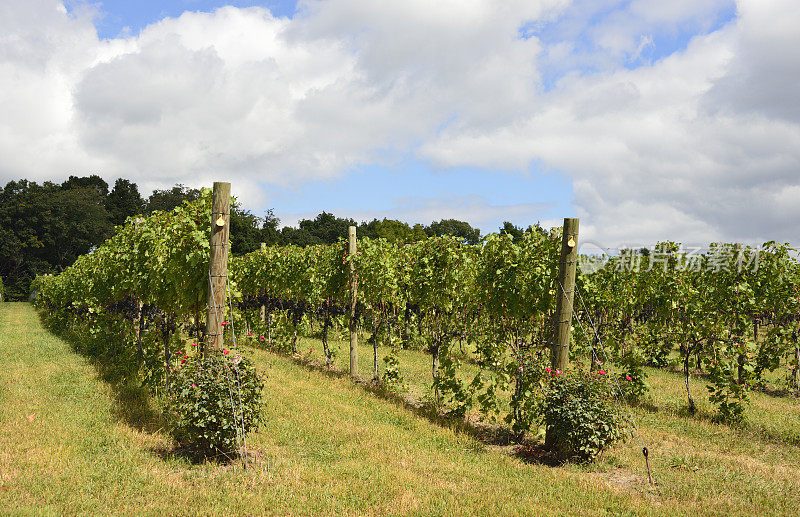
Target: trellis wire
616,382
227,375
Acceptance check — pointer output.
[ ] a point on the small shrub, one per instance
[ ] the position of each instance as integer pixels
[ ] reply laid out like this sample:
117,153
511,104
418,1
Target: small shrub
580,416
204,404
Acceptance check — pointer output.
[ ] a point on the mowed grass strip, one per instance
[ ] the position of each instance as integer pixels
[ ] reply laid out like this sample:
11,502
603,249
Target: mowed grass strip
329,447
701,467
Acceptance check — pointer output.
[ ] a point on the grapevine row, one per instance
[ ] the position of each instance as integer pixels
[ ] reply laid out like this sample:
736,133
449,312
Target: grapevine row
150,280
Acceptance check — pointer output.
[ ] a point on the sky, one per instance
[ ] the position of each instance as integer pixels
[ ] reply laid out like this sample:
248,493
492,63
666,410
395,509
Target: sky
648,120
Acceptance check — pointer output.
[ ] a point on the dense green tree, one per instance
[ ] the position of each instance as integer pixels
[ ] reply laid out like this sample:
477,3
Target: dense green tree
93,181
269,228
392,230
326,228
299,237
515,232
80,222
44,228
124,201
19,240
455,228
246,232
170,198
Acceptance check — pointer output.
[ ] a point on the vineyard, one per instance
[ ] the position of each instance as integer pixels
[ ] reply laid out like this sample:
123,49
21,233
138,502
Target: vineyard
731,312
482,316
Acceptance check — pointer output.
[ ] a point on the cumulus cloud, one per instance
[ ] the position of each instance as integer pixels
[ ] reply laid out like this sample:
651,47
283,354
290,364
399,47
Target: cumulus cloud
43,52
764,79
240,94
700,144
681,149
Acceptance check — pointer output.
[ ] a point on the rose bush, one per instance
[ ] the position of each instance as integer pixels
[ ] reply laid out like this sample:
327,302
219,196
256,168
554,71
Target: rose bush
580,415
213,402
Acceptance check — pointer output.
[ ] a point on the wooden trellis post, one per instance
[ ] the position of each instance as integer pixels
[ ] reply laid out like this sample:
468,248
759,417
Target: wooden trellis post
218,264
263,308
565,295
351,250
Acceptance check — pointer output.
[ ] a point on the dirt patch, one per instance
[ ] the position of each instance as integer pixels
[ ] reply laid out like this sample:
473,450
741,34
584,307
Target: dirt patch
623,481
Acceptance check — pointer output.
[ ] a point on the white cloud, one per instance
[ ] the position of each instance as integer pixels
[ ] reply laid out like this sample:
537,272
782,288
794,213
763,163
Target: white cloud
42,53
703,144
764,79
605,35
238,94
665,151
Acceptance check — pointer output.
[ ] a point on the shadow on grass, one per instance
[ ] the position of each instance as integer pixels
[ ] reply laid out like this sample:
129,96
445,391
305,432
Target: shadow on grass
487,434
784,392
498,438
189,455
746,430
766,389
645,405
132,401
538,454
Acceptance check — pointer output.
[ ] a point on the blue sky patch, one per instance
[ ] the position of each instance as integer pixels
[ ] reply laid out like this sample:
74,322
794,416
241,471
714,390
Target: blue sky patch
125,17
414,186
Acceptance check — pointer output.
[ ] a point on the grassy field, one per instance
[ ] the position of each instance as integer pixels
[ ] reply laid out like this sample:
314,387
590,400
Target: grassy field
71,443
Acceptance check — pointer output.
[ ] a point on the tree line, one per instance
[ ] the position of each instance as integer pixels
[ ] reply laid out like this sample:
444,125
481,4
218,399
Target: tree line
45,227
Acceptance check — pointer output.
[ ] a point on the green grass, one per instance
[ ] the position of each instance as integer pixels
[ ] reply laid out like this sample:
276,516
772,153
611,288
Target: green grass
712,467
330,447
772,418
